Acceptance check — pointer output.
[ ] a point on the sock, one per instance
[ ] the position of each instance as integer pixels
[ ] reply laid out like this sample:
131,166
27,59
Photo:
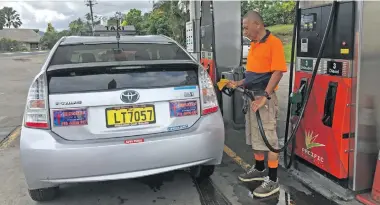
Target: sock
273,165
260,166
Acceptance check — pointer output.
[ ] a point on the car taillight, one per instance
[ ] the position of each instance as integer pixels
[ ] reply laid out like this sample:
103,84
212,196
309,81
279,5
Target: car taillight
36,112
209,102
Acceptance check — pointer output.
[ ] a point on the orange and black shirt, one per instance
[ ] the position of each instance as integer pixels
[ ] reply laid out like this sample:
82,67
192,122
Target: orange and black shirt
264,57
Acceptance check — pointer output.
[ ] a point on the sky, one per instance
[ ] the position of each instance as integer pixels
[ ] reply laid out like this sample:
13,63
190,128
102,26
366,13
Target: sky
37,14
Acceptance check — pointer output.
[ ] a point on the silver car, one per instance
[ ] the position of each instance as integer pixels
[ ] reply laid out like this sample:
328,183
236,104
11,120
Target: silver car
102,109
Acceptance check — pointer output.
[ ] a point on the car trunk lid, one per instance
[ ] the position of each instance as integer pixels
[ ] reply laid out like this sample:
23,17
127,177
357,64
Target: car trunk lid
121,101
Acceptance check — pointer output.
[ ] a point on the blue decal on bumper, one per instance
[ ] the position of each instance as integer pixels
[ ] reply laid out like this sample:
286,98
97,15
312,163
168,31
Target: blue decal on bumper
186,88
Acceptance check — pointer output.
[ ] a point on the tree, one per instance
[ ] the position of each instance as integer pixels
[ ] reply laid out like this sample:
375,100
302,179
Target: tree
51,36
11,17
2,19
134,17
79,26
88,20
169,18
9,45
50,28
273,12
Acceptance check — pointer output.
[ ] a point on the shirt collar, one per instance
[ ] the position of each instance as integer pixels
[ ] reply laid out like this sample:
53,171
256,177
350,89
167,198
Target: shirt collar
264,39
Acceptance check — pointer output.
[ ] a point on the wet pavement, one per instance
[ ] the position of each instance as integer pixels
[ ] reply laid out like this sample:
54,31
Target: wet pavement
291,191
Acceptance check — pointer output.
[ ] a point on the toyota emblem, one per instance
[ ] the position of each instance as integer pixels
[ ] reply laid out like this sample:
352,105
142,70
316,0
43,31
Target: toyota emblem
130,96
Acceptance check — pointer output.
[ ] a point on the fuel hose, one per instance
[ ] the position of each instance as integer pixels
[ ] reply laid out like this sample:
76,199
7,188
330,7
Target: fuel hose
307,95
290,88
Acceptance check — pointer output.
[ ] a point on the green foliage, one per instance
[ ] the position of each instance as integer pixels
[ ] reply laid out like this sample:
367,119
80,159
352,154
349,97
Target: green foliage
50,28
79,26
134,17
51,36
169,18
2,19
285,33
10,18
273,12
124,23
8,45
282,29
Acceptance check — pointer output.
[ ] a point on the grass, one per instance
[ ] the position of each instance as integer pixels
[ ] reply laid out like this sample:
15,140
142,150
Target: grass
285,33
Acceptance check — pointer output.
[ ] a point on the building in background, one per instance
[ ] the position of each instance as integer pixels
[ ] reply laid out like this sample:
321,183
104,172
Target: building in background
28,38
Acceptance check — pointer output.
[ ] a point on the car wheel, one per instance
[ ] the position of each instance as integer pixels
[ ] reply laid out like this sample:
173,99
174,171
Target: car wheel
45,194
203,171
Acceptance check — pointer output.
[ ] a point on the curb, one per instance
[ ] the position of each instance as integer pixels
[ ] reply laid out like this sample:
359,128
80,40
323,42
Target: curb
10,137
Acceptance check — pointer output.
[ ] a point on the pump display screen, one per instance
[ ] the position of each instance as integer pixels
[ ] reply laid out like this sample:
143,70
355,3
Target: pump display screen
308,21
334,68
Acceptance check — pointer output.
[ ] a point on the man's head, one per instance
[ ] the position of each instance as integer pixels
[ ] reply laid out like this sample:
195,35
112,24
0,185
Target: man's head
253,25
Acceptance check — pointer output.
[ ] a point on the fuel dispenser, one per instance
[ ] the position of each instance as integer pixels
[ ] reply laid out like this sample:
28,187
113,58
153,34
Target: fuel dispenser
335,98
323,136
221,51
331,137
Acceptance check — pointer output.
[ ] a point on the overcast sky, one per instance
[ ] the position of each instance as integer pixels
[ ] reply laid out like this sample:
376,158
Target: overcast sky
37,14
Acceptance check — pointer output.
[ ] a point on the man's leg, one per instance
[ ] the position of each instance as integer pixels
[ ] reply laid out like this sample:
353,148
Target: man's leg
257,172
272,166
269,117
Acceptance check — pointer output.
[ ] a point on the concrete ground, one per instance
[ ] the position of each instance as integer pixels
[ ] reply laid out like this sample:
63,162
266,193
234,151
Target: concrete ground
16,74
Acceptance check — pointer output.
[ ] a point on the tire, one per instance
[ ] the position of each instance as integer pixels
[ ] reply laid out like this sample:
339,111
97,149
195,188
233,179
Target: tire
45,194
203,171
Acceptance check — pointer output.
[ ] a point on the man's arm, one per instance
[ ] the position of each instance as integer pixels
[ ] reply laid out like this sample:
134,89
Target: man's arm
240,82
273,81
278,65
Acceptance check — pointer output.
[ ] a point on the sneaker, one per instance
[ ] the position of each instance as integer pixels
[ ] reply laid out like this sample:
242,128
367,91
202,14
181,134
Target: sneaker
267,188
253,175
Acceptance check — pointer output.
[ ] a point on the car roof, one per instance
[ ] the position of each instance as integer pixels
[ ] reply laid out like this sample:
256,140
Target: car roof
112,39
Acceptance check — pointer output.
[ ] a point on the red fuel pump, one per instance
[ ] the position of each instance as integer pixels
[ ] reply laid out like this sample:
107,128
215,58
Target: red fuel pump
323,136
220,50
207,38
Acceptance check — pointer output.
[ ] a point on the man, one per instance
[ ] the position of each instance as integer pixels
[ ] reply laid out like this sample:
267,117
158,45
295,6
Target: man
266,60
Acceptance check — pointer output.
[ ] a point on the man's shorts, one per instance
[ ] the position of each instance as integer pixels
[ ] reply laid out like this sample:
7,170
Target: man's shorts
269,116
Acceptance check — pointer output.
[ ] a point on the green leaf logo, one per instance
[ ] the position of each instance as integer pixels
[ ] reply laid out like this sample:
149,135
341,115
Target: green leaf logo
310,140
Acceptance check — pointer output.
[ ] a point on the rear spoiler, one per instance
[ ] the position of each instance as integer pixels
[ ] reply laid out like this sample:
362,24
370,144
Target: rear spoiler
119,63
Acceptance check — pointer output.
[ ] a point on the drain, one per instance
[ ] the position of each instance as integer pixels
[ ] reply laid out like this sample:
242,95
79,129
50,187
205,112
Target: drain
209,194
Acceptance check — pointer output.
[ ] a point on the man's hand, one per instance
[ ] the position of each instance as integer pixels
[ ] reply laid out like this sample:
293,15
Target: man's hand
257,104
232,84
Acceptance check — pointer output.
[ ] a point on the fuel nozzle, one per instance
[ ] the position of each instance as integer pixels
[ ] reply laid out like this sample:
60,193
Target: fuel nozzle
222,86
296,98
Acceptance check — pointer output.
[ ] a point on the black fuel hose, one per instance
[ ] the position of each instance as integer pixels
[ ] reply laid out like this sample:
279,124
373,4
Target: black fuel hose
308,91
290,88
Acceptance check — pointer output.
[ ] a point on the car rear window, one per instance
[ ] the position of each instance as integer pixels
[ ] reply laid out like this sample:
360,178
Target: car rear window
113,78
111,52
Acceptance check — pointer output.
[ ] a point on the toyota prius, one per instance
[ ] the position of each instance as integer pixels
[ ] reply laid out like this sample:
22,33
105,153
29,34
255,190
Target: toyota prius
103,108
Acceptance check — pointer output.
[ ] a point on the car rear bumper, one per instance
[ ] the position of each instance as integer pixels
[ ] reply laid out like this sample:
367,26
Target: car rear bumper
47,159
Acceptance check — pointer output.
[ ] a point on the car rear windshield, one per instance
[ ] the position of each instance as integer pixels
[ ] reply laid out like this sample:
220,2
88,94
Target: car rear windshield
111,52
113,78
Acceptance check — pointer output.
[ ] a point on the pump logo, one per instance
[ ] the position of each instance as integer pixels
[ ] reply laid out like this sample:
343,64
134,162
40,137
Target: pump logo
310,143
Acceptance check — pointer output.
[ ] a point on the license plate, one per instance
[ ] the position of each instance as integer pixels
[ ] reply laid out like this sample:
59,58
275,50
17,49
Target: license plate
130,116
70,117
